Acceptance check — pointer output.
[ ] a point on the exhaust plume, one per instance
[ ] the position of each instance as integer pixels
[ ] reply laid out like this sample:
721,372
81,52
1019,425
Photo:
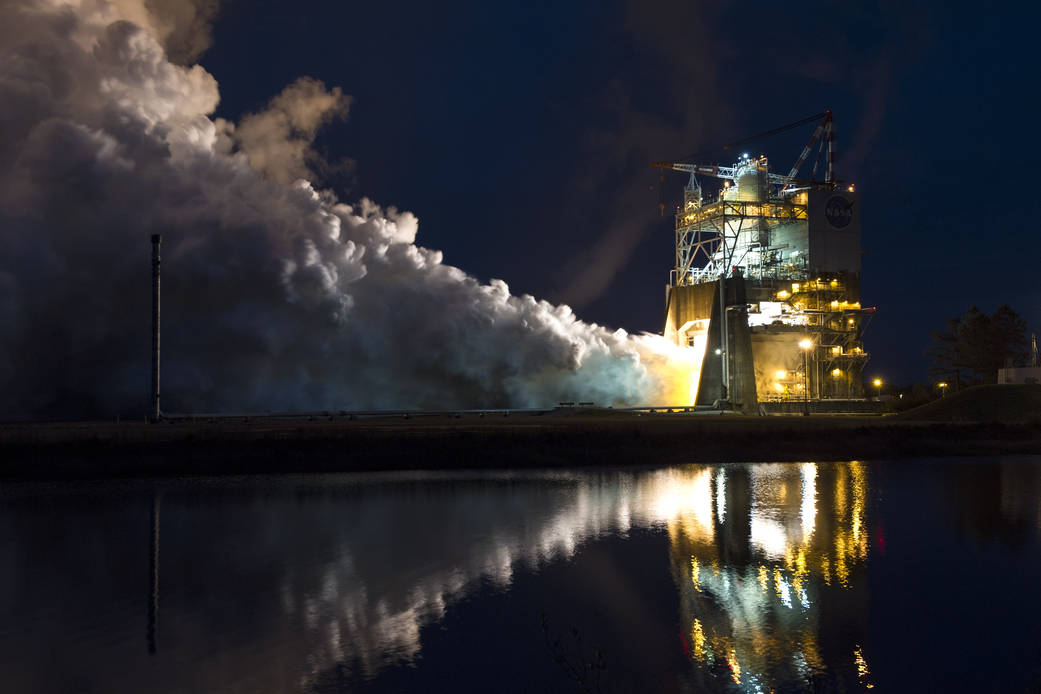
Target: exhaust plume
276,295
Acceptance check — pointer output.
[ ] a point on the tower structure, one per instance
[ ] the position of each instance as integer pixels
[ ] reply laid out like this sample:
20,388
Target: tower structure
767,279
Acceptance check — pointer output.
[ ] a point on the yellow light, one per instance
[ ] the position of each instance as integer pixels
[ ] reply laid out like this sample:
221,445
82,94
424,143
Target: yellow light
851,321
782,294
697,639
779,387
877,382
835,303
805,343
795,286
836,372
782,374
941,384
735,667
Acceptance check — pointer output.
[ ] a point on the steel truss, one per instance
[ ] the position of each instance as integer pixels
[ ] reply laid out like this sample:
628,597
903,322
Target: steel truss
836,326
710,243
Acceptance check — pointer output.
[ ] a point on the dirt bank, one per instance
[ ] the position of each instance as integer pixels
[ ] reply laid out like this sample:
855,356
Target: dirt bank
100,450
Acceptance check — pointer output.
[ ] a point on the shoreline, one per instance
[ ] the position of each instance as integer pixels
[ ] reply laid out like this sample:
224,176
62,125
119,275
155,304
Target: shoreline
106,450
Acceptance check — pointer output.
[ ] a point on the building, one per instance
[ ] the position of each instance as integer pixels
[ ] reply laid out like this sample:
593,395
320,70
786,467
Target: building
1022,375
767,284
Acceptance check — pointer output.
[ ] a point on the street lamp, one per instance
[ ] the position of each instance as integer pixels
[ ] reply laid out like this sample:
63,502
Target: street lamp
878,388
943,388
805,344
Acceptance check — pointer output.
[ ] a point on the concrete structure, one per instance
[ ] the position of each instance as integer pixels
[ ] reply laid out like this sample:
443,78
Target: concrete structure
781,259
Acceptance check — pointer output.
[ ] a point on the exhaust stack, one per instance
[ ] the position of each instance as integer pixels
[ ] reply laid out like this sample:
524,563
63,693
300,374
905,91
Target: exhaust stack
154,413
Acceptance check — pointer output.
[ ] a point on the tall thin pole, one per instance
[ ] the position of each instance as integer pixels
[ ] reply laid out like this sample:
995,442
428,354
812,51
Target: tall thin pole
805,385
154,412
723,372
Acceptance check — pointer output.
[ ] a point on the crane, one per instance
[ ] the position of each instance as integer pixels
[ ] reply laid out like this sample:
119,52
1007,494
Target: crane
823,132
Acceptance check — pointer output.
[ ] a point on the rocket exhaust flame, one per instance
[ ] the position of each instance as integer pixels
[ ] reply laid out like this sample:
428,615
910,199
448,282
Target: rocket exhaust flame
277,296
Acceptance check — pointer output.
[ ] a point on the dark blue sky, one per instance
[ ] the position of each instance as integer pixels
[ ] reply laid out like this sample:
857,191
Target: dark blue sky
520,135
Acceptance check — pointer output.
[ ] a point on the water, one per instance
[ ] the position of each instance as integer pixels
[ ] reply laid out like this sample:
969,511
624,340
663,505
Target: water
903,575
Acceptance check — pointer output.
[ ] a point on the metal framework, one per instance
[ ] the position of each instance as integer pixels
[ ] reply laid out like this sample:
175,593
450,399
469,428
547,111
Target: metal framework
836,324
712,240
821,309
759,225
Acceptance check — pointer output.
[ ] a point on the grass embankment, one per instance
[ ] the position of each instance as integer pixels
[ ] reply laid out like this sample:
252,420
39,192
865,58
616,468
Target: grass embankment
1021,403
97,450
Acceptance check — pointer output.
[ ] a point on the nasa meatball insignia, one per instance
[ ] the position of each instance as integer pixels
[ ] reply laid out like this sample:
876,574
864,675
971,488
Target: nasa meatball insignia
839,211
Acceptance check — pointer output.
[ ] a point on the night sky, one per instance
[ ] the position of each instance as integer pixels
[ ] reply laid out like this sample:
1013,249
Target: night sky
520,133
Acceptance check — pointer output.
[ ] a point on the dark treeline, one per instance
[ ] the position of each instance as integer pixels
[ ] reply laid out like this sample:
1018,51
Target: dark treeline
974,346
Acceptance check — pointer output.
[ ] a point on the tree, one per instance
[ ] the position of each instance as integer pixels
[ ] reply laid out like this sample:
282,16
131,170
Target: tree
976,345
1010,335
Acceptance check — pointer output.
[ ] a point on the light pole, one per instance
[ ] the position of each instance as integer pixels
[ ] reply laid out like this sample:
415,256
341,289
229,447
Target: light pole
805,344
878,388
943,388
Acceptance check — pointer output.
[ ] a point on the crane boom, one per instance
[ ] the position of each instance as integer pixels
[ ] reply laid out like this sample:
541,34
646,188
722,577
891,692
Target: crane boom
824,129
725,172
760,136
824,124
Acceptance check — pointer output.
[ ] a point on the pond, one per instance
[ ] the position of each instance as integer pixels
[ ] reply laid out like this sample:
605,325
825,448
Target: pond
888,575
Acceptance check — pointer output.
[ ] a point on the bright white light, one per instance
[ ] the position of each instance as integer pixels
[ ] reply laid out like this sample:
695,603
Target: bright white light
808,507
768,536
721,495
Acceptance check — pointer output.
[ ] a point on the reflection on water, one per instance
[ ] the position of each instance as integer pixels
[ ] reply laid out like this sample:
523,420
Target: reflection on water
783,577
756,584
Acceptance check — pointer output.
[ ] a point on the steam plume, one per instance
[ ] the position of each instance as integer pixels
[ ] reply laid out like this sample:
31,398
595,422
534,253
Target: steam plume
276,295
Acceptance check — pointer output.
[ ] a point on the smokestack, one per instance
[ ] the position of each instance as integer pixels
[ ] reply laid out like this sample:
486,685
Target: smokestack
154,405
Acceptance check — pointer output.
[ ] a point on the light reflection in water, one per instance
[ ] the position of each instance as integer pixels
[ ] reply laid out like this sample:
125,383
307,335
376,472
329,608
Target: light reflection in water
757,612
769,565
756,557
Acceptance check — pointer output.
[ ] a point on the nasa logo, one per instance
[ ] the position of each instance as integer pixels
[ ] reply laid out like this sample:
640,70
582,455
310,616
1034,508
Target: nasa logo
839,211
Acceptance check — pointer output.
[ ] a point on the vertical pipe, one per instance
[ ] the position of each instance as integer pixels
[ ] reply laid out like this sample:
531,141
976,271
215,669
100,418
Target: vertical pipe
805,385
724,341
154,413
723,374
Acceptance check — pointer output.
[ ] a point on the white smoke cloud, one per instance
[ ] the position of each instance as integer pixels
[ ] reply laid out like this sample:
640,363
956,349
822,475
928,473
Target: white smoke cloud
182,27
276,295
277,141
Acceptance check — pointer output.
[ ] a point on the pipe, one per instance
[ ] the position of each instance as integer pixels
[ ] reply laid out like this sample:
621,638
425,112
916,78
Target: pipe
154,412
